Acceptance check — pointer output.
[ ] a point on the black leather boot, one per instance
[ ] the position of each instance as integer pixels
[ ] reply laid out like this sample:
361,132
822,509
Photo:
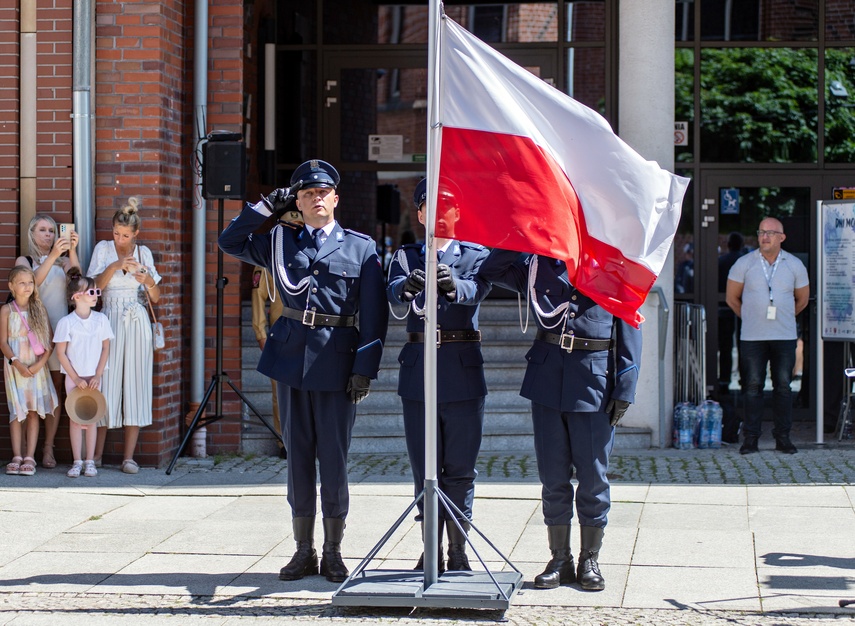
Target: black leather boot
561,570
305,559
440,561
331,564
590,578
457,559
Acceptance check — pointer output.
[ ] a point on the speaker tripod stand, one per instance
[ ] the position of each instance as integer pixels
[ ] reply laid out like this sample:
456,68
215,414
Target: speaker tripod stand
219,376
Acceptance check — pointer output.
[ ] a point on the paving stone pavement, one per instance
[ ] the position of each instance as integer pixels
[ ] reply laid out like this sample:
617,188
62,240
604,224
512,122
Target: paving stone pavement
210,486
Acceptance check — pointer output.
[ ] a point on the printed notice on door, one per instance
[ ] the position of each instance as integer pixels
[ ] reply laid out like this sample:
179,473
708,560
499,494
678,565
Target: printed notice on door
837,282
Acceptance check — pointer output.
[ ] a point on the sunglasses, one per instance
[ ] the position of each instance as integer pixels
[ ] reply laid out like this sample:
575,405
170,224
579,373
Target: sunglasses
89,292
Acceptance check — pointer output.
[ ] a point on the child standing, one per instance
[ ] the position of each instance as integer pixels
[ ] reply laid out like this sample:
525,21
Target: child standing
25,340
82,341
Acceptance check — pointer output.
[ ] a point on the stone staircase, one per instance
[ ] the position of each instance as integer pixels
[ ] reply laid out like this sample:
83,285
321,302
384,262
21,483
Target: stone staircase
379,422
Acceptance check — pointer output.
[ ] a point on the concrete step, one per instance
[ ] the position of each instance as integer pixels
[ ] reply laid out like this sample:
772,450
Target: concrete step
379,423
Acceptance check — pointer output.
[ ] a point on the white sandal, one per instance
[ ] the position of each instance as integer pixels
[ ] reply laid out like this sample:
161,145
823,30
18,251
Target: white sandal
74,471
89,469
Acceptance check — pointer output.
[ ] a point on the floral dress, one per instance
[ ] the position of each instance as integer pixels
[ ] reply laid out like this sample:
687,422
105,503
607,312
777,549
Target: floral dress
26,394
127,383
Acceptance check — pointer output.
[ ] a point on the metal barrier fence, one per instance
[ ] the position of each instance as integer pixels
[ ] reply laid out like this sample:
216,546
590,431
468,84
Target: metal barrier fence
690,324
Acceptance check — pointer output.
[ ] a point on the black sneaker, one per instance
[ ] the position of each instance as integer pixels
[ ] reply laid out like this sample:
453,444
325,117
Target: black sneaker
748,446
785,445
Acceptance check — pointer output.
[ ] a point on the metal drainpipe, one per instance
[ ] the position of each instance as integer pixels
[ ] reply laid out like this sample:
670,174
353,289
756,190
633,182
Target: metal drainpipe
664,311
197,326
81,115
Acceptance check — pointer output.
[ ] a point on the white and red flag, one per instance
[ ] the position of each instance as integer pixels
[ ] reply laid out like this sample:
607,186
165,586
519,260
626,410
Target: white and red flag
533,170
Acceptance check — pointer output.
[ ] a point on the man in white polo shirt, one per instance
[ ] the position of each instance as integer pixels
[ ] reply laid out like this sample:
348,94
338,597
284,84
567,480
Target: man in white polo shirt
767,288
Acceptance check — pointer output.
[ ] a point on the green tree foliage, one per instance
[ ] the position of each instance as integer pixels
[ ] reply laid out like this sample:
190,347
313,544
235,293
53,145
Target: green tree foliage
759,105
840,110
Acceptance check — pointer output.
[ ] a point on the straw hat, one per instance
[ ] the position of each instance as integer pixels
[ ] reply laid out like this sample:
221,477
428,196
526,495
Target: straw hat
85,406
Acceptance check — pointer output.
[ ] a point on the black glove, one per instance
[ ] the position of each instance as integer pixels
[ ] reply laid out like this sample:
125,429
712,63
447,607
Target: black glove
357,387
279,199
616,409
414,285
445,282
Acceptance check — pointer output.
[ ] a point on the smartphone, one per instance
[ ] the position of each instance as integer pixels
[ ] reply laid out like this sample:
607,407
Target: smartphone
65,230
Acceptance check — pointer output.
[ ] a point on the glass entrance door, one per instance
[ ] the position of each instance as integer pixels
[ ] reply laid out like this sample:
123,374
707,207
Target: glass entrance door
732,206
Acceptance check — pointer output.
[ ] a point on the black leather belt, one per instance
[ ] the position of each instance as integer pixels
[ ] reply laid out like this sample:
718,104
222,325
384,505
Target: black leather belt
447,336
570,342
313,318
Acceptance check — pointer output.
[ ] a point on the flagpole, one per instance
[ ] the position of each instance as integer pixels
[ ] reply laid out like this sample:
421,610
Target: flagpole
431,512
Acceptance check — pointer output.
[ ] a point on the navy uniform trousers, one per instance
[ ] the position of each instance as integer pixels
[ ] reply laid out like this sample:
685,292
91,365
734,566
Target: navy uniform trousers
313,363
460,382
569,390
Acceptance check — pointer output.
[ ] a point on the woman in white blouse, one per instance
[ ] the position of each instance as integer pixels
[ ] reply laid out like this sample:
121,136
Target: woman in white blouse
51,257
122,269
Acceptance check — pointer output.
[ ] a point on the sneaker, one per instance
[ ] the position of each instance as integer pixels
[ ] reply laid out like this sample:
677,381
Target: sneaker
74,472
89,469
748,446
129,466
785,445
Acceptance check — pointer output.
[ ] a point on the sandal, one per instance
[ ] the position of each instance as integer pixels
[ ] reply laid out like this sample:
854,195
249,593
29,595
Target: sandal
74,471
48,459
28,467
89,469
129,466
14,468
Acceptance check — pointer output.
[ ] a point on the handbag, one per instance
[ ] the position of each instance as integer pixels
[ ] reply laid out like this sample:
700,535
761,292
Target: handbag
158,336
32,337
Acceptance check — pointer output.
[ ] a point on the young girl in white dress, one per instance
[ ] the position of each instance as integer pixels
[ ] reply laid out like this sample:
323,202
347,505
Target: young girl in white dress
123,269
82,341
29,390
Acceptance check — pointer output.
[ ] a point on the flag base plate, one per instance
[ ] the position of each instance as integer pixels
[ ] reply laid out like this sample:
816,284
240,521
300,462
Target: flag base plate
405,588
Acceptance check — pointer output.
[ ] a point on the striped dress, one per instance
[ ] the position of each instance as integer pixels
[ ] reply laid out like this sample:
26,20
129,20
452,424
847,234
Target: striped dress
127,382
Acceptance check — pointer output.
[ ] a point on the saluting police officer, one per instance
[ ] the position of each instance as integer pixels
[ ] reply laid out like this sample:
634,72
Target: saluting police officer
581,377
460,384
322,361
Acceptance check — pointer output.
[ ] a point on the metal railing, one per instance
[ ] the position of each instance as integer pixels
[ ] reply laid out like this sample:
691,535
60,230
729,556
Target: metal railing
690,324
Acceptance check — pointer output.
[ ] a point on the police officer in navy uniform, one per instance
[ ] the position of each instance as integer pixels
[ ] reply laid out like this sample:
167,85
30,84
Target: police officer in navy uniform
322,360
460,383
581,377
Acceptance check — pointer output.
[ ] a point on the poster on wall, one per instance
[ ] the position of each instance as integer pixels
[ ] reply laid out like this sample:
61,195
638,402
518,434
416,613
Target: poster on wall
837,282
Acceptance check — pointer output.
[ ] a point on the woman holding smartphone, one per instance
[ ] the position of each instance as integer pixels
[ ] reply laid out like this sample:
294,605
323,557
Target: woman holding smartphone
122,269
50,257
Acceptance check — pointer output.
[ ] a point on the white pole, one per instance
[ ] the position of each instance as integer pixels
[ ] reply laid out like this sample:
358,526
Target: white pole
820,348
431,513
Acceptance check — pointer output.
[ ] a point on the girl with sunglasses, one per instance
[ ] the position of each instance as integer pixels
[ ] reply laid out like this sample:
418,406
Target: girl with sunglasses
82,341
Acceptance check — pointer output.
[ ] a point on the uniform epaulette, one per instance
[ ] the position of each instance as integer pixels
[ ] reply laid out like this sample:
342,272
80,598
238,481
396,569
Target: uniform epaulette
357,233
473,246
411,246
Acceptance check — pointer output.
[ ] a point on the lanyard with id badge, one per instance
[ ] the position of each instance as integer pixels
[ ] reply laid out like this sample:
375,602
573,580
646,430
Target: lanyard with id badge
771,310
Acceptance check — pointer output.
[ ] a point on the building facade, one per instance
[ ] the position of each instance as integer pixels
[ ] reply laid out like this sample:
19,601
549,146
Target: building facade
762,92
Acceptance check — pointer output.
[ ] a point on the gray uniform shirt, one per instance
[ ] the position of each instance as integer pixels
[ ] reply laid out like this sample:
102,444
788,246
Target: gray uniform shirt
789,274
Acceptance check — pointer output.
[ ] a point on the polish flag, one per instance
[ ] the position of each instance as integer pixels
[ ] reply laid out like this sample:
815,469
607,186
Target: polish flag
531,169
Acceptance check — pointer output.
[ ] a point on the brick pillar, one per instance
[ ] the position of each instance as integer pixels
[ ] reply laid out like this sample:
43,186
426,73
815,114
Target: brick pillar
144,147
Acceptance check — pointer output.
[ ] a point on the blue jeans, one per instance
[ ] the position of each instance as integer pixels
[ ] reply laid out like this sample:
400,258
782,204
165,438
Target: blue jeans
781,356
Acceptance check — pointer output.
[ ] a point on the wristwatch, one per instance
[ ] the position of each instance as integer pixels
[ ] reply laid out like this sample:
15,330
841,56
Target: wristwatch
12,359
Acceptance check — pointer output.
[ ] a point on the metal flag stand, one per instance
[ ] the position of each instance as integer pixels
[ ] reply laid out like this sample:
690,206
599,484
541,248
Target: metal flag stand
409,588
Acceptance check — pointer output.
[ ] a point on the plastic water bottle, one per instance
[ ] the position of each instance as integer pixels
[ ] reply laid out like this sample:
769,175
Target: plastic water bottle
681,419
704,425
715,425
687,426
